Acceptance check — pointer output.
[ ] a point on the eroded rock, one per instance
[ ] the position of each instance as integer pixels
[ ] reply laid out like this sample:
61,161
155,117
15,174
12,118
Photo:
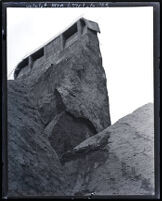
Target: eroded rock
66,131
121,165
57,100
60,141
32,162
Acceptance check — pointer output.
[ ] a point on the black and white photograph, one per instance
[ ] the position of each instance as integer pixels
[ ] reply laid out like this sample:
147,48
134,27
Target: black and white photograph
80,101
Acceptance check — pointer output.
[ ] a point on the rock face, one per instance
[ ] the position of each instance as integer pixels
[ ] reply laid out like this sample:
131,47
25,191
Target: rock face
60,141
32,161
57,100
117,161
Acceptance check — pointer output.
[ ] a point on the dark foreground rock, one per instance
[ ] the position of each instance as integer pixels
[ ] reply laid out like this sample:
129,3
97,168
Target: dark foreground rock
33,165
117,161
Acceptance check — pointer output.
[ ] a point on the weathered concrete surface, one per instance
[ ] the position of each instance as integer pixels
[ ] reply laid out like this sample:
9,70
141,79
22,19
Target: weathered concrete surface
118,160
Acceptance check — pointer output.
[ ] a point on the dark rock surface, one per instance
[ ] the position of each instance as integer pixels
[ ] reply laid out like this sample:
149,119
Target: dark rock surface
117,161
32,162
60,141
75,82
59,104
65,131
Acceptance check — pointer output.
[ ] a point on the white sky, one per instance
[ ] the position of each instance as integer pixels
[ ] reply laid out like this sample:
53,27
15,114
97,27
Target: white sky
126,43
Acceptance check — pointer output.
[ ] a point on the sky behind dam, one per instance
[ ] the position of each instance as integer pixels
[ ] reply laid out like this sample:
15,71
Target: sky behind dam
126,44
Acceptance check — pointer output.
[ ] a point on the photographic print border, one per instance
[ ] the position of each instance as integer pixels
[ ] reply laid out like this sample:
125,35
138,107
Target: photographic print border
156,64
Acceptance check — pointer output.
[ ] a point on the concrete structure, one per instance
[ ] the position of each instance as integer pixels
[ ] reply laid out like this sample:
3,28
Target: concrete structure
55,47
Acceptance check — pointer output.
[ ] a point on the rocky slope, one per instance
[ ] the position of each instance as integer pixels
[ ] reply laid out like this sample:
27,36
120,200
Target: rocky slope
32,162
117,161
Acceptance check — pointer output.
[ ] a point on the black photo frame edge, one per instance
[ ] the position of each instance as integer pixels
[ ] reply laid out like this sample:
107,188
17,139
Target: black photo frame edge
156,64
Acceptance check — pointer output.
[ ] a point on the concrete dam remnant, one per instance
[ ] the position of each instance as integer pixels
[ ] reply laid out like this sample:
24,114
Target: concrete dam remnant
59,124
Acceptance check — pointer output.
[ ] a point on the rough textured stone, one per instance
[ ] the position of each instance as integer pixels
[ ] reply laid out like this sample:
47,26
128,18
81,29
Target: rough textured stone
57,100
80,82
117,161
66,131
60,141
32,162
73,76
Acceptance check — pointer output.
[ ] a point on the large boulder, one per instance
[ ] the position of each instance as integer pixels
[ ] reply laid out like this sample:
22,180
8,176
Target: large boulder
77,82
117,161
